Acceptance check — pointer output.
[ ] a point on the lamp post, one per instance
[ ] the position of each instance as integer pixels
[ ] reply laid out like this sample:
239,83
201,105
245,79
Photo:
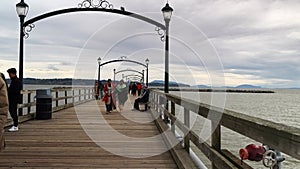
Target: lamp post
143,76
147,65
114,75
22,10
99,63
167,13
98,92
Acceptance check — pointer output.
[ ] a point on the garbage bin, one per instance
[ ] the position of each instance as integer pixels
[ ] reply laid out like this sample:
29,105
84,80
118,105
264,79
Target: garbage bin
43,104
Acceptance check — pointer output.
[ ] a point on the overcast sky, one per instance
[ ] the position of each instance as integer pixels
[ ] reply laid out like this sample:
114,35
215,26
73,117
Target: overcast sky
212,42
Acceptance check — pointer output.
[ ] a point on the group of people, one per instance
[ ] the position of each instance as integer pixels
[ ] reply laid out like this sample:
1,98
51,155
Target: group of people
120,93
111,92
135,87
9,99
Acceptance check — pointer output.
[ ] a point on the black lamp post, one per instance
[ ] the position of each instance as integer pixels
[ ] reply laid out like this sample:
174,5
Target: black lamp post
99,63
147,66
114,75
167,13
143,75
22,10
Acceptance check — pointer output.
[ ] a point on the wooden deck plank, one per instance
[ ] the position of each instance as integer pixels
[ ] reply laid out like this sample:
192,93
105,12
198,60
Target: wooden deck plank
62,143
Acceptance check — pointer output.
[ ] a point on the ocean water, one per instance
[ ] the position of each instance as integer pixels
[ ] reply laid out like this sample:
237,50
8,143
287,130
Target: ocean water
283,107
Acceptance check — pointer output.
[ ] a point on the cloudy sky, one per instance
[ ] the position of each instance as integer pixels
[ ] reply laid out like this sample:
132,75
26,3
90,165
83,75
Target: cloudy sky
212,42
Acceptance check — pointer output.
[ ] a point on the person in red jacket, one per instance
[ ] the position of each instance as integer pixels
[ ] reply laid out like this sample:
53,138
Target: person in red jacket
109,96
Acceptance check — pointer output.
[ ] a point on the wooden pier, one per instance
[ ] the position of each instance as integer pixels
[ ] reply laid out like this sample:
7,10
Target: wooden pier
62,142
82,135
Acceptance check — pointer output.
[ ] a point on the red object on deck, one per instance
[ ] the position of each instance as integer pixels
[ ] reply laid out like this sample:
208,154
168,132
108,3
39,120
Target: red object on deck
252,152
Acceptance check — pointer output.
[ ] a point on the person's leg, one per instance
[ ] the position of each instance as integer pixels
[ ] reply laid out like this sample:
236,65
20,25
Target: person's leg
107,107
13,110
110,106
136,103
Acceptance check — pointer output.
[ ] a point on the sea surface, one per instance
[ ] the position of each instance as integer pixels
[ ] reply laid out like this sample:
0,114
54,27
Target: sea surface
283,107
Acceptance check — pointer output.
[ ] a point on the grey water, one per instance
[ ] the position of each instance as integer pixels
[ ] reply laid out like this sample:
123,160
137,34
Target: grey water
282,107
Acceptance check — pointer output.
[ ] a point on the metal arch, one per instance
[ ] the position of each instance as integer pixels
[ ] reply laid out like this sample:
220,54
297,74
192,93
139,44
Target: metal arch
134,76
135,79
120,60
71,10
130,70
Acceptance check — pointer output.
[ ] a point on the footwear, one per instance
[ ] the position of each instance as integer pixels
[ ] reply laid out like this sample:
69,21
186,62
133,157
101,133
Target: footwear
13,129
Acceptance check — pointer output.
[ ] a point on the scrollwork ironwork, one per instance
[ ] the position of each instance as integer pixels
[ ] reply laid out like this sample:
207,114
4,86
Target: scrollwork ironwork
95,4
27,30
161,33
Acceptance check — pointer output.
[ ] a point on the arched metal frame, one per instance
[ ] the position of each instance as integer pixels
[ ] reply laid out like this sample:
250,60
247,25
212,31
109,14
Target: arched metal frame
131,70
92,6
29,23
127,60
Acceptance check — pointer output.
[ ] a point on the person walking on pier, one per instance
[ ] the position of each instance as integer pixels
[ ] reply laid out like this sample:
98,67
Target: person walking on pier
14,97
122,94
109,97
3,109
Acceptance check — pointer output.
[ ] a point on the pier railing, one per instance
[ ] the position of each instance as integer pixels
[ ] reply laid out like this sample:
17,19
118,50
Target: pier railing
278,136
62,98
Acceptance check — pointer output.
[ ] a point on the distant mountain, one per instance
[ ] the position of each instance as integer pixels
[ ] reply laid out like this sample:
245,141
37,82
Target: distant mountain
172,84
243,86
247,86
202,87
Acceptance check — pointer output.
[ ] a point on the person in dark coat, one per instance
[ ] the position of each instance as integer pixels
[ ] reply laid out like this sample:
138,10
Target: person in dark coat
133,89
144,98
14,97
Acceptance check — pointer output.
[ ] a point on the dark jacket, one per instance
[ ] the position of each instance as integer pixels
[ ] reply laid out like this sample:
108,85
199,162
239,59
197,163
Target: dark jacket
14,90
145,96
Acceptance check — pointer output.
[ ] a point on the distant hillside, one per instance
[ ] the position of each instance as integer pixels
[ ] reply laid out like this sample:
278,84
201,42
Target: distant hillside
202,87
171,84
247,86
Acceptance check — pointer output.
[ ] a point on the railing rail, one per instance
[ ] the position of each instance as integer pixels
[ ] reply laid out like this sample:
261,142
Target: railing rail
62,98
278,136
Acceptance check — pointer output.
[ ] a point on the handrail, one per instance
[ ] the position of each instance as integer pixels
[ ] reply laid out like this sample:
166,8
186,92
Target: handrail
62,98
278,136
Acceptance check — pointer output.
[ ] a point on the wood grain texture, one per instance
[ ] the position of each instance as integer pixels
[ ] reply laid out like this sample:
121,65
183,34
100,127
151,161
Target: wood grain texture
62,141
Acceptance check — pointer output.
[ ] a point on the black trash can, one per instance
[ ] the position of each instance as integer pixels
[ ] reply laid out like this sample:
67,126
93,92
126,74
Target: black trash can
43,104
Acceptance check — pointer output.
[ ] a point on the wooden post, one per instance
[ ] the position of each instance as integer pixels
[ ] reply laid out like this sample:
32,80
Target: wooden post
79,99
187,124
29,101
66,99
56,95
216,139
73,96
173,113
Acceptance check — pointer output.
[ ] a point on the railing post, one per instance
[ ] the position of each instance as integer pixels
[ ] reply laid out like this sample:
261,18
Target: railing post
56,97
66,99
216,139
79,98
187,124
29,101
173,113
84,93
73,96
